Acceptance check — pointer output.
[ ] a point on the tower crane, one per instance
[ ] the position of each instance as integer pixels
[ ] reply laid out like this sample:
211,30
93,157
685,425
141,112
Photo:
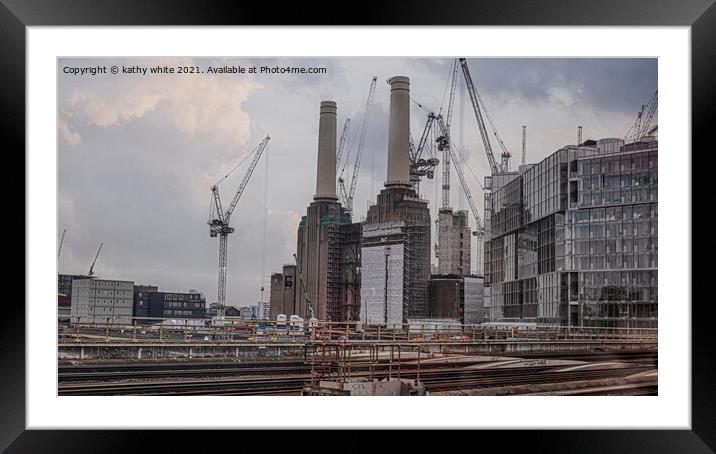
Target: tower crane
476,101
219,219
644,118
342,141
524,145
347,196
91,269
309,306
444,142
419,166
479,227
62,240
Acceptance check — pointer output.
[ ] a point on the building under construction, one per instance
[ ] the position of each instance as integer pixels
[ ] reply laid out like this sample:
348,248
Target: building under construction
377,271
325,282
454,241
395,258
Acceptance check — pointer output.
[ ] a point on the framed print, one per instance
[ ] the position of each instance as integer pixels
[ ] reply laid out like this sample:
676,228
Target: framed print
422,218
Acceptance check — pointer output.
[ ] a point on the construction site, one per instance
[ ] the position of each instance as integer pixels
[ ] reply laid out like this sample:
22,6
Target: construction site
561,299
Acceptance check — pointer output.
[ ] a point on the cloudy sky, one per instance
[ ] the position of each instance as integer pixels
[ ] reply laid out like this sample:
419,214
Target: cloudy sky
137,155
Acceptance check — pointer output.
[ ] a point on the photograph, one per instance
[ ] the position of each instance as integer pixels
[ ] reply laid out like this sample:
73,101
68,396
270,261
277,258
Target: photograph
357,226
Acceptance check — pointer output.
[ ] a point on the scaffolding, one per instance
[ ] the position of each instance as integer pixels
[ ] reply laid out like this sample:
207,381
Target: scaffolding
417,268
382,274
333,269
396,258
349,262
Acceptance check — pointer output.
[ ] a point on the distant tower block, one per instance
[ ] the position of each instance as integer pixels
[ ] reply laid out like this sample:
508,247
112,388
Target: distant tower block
579,135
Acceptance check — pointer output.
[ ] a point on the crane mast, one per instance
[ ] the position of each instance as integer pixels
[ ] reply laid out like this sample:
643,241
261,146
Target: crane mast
479,227
219,224
359,152
444,141
524,145
463,183
342,141
309,306
91,269
62,240
494,167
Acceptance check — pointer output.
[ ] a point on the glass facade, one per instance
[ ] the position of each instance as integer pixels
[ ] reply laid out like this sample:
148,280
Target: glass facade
574,240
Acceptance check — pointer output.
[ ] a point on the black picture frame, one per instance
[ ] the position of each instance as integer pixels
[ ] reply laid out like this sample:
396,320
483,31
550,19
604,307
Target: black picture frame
700,15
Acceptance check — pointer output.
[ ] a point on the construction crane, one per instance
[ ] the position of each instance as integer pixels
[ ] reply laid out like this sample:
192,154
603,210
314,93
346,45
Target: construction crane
644,118
62,240
419,166
342,141
91,269
476,101
524,145
347,195
479,231
219,219
309,306
444,141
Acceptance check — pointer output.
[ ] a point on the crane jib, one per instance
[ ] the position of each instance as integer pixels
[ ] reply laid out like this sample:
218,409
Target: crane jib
478,116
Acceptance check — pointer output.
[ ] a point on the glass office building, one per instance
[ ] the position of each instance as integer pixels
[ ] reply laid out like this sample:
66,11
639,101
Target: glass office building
574,239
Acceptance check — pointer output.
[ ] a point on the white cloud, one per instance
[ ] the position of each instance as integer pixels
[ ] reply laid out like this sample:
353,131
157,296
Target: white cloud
196,105
71,137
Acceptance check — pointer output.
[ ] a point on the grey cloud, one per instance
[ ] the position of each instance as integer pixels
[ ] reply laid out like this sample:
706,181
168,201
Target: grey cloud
141,184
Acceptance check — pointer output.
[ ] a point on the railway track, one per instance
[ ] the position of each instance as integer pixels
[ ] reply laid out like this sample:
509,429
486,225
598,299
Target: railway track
647,355
290,380
529,377
233,386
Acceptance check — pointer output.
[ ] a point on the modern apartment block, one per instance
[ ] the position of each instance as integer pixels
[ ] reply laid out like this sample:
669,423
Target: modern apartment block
573,239
100,301
64,294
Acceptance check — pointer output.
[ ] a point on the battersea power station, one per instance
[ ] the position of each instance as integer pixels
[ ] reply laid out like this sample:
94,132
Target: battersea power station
571,240
377,271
